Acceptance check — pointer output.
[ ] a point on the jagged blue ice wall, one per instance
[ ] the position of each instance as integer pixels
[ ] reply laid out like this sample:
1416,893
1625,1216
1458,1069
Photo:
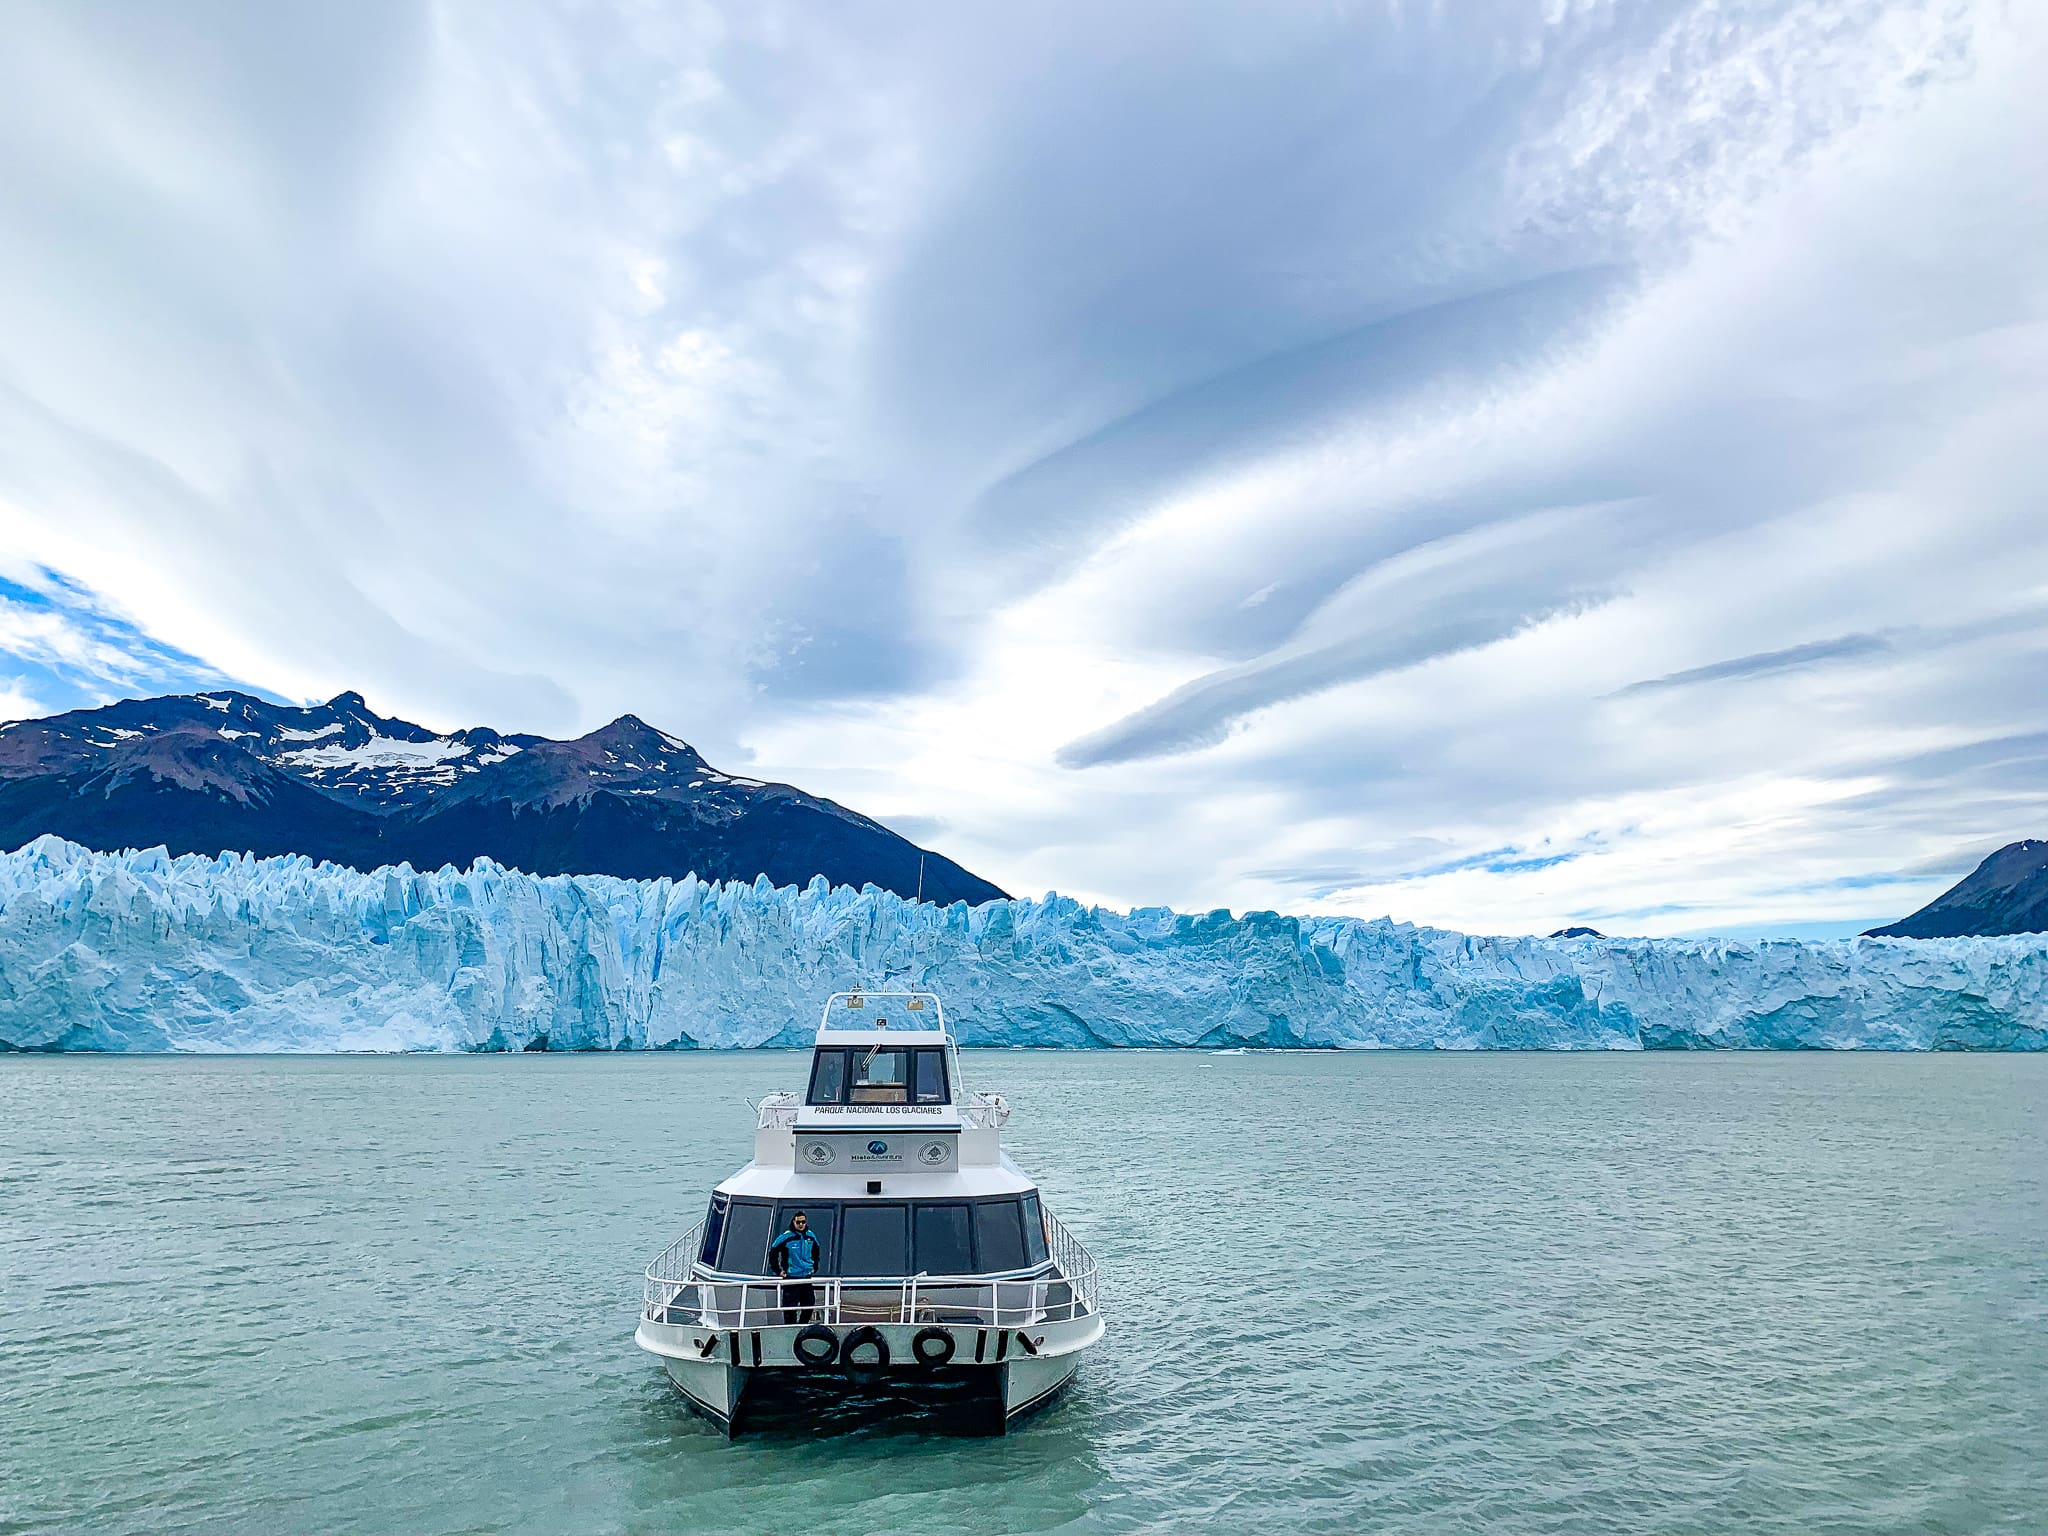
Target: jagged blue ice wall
142,951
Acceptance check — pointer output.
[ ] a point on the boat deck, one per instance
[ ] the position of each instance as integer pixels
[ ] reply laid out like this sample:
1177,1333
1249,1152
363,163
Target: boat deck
681,1291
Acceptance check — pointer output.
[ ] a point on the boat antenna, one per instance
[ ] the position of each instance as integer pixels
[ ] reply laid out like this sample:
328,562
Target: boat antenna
919,974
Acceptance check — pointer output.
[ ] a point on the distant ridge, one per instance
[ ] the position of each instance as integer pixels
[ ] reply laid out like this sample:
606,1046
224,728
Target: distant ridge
2007,893
203,773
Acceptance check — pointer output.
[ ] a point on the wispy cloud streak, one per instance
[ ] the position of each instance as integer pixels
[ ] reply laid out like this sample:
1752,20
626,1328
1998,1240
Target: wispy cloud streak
1792,658
1205,458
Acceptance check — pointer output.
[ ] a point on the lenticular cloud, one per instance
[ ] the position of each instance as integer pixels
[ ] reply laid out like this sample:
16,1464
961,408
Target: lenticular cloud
145,952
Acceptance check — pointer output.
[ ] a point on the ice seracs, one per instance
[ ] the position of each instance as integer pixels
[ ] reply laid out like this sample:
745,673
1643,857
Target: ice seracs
144,951
879,1233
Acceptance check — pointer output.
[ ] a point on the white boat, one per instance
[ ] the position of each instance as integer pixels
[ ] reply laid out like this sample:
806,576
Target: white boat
936,1258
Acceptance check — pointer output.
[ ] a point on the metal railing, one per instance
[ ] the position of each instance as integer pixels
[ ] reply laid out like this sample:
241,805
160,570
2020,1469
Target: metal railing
984,1111
1072,1261
915,1002
777,1112
680,1291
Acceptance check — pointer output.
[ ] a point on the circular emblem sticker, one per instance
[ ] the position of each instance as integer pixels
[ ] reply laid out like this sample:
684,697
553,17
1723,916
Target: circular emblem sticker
877,1148
932,1153
818,1154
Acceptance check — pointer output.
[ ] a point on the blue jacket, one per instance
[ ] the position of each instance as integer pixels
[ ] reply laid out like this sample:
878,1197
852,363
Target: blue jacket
794,1254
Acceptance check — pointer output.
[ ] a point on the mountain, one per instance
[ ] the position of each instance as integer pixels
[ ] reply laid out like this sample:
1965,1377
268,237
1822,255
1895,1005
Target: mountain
218,771
2007,893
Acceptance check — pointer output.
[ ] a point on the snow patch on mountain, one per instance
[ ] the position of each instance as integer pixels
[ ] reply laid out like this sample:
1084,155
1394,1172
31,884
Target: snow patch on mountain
142,951
378,752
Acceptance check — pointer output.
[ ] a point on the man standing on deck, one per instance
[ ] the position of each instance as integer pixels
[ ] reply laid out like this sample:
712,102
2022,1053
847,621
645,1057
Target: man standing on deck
794,1256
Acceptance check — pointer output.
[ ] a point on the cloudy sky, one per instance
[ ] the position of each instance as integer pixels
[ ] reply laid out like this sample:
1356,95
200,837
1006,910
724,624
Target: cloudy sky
1501,465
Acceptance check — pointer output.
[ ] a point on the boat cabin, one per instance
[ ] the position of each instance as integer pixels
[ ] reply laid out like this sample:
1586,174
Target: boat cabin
897,1168
881,1239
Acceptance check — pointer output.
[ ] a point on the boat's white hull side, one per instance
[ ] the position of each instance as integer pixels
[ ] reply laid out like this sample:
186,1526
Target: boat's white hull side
1030,1384
713,1386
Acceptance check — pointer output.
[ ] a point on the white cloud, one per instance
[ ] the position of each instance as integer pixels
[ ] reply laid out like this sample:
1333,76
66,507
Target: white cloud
1374,398
17,703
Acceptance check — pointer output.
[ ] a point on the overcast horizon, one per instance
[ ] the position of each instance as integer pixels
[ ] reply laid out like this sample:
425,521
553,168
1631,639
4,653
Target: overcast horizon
1502,469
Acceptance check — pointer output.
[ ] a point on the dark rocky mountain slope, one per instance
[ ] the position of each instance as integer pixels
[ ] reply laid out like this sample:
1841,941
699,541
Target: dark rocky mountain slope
229,771
2007,893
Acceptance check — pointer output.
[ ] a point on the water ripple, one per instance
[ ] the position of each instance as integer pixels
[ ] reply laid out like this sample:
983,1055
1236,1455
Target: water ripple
1399,1294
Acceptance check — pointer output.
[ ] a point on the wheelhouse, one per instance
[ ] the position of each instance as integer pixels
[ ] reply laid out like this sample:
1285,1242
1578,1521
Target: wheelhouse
897,1169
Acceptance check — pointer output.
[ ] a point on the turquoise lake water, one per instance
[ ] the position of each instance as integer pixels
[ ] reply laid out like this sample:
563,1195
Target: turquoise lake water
1360,1293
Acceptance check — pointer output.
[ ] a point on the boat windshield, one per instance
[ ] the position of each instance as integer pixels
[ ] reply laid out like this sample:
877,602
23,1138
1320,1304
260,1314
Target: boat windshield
878,1074
1003,1234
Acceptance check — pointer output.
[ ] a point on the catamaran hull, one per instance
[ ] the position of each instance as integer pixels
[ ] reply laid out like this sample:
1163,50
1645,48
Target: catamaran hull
713,1390
1029,1385
1025,1369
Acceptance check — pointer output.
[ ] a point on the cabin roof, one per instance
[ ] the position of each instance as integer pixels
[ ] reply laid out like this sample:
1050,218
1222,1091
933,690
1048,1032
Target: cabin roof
890,1036
900,1187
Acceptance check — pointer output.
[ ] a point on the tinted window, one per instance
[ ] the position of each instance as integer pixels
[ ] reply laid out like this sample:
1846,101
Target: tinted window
828,1077
745,1251
942,1240
871,1241
998,1235
878,1074
1034,1231
821,1214
714,1226
881,1075
931,1077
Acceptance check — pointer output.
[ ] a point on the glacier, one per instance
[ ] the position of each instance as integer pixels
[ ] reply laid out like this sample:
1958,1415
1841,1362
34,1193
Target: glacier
141,951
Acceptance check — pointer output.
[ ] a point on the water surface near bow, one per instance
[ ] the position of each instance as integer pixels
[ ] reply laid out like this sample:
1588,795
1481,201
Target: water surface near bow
1401,1293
